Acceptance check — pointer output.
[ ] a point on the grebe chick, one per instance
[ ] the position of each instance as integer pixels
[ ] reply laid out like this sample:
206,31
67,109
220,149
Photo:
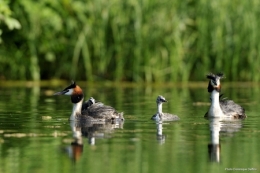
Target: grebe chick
222,108
160,116
90,110
88,103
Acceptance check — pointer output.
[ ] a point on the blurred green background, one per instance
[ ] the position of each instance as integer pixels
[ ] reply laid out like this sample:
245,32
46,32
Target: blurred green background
131,40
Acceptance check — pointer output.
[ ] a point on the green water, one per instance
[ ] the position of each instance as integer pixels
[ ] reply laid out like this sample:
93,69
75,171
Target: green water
36,136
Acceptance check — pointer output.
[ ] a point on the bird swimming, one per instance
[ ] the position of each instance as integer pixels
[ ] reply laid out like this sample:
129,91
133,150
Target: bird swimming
160,116
222,107
90,110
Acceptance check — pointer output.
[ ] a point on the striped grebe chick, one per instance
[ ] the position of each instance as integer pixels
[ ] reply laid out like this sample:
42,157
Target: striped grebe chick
160,116
222,107
90,110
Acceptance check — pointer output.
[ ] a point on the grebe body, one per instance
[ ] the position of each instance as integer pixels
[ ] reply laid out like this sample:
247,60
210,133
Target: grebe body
90,110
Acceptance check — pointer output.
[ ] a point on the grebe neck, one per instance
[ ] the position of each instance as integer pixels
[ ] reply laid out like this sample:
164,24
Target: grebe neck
76,110
215,110
159,108
159,111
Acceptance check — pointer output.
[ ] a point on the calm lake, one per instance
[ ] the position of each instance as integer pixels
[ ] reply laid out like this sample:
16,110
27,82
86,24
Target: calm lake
36,136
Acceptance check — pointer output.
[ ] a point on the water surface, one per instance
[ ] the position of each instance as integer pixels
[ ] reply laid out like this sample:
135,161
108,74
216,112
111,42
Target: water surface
36,136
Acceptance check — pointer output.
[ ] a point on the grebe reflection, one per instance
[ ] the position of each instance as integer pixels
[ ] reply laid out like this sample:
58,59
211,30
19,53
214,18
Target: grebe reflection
217,127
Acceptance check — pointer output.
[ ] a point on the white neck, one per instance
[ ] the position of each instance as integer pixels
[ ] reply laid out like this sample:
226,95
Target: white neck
215,110
159,111
159,108
76,110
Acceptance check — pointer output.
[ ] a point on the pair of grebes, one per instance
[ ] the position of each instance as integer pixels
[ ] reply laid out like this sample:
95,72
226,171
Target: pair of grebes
92,111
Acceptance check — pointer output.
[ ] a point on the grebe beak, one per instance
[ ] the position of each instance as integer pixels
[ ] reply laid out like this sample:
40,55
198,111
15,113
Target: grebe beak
60,93
164,100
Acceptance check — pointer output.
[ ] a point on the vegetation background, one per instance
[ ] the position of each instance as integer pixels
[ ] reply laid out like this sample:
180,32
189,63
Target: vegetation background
131,40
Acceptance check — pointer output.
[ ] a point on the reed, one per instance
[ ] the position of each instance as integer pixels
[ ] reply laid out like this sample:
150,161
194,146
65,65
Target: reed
139,41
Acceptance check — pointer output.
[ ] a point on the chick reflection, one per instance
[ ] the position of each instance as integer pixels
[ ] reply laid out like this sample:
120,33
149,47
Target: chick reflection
90,130
159,134
218,125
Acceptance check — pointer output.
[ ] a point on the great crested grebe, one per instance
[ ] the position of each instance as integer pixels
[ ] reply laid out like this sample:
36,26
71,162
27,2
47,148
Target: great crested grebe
222,108
160,116
90,110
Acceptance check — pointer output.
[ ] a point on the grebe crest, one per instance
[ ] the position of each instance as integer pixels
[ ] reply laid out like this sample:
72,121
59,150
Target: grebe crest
160,116
221,108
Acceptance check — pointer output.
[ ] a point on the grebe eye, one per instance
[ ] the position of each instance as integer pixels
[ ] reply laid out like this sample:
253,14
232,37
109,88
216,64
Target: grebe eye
214,82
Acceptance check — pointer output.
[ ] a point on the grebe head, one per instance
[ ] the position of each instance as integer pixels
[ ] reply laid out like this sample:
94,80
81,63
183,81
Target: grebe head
160,99
91,100
74,91
214,83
